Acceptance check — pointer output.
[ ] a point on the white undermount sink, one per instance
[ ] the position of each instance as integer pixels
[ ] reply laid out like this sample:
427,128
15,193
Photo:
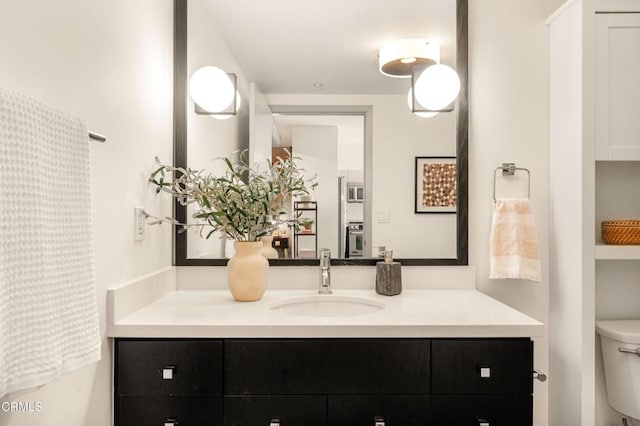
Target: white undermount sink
327,306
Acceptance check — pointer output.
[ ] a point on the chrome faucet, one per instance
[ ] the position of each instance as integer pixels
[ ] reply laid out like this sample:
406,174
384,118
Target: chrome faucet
325,276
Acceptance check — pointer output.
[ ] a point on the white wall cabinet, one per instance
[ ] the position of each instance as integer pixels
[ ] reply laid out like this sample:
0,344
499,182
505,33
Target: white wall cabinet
618,86
594,156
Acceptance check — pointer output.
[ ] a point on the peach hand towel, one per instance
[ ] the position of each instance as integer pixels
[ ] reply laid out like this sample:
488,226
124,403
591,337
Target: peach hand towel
513,239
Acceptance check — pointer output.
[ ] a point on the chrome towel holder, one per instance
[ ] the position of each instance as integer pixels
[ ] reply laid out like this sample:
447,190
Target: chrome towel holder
509,169
97,137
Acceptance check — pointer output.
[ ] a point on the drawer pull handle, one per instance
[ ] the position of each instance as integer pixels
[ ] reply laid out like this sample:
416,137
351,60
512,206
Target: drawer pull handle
538,375
168,372
635,351
171,422
485,372
274,422
378,421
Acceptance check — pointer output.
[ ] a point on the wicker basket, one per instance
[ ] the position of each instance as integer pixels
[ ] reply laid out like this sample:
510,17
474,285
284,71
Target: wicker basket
621,232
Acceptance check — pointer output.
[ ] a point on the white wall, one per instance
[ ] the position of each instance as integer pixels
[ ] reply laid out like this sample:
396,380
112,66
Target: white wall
111,64
260,127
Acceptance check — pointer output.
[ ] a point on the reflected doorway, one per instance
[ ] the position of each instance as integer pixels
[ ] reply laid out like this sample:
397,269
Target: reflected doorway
332,148
332,142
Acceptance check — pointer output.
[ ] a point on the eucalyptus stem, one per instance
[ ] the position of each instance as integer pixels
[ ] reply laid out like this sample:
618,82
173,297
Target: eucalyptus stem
244,204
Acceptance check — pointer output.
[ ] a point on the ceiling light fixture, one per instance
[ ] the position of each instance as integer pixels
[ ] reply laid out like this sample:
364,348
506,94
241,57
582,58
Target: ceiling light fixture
434,86
214,92
398,57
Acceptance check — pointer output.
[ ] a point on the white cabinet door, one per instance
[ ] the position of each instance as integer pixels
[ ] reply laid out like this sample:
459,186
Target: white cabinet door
618,86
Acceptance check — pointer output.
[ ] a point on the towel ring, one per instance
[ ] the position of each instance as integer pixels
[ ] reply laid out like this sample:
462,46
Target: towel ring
509,169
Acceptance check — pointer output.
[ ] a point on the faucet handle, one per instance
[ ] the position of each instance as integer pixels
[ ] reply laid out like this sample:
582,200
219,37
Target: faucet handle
325,255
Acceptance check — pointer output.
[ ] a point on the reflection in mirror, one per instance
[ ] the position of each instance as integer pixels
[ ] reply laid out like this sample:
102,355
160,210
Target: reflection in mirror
296,80
331,147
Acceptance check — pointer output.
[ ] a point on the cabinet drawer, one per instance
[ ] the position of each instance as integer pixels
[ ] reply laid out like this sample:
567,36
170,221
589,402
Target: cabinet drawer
481,410
169,410
482,366
327,366
260,410
170,367
394,410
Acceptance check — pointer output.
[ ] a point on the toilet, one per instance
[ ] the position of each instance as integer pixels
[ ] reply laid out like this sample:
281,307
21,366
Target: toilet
621,354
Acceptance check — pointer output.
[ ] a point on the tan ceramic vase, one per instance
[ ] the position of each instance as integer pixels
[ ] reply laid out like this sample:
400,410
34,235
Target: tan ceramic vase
247,271
267,249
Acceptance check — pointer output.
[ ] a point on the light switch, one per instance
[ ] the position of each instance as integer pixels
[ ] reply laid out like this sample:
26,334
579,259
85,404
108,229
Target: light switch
139,224
485,372
384,216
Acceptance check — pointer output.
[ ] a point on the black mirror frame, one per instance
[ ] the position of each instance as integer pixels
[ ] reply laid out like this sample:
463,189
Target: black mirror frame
180,77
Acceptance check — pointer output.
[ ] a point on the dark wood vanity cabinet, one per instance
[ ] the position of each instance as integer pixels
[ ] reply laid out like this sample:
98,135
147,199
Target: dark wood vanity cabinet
326,366
168,382
481,382
337,382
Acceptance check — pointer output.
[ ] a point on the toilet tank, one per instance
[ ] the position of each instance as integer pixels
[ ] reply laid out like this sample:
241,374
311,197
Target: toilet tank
622,369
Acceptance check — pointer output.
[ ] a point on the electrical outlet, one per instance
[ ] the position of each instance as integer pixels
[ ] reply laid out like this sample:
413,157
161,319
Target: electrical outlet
384,216
139,224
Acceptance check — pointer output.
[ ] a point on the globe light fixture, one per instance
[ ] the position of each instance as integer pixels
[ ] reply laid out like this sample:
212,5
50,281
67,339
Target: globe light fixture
213,90
421,114
228,116
437,86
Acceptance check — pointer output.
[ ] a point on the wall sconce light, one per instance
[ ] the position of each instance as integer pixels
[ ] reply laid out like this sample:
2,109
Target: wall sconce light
433,86
214,92
422,114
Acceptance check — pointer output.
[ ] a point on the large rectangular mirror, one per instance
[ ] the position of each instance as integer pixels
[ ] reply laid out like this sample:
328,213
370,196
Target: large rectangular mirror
308,83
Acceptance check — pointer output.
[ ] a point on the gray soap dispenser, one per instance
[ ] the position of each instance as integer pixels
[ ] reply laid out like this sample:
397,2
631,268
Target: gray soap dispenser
388,276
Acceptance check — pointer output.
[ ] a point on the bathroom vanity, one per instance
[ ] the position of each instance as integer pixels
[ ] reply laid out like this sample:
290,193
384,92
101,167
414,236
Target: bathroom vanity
427,357
309,382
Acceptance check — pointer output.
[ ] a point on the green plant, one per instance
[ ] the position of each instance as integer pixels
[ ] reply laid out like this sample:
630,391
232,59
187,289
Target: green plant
244,204
305,221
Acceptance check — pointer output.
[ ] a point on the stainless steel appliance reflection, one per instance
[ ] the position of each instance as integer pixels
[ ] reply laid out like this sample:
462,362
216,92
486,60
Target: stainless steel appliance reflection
356,239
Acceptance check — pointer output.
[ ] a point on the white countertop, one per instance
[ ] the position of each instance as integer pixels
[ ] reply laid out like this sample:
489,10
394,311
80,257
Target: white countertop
414,313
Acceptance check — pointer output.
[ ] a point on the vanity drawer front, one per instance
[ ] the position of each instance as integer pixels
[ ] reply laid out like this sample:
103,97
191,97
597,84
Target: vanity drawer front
169,367
260,410
482,366
327,366
481,410
169,410
395,410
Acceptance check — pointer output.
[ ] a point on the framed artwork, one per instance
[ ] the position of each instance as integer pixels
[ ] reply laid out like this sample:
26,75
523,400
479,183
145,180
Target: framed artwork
436,189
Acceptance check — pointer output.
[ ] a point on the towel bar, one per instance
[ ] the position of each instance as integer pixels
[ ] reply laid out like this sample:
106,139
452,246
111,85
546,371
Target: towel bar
509,169
97,137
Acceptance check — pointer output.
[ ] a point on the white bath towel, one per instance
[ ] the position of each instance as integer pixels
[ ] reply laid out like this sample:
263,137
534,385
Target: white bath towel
513,240
48,312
